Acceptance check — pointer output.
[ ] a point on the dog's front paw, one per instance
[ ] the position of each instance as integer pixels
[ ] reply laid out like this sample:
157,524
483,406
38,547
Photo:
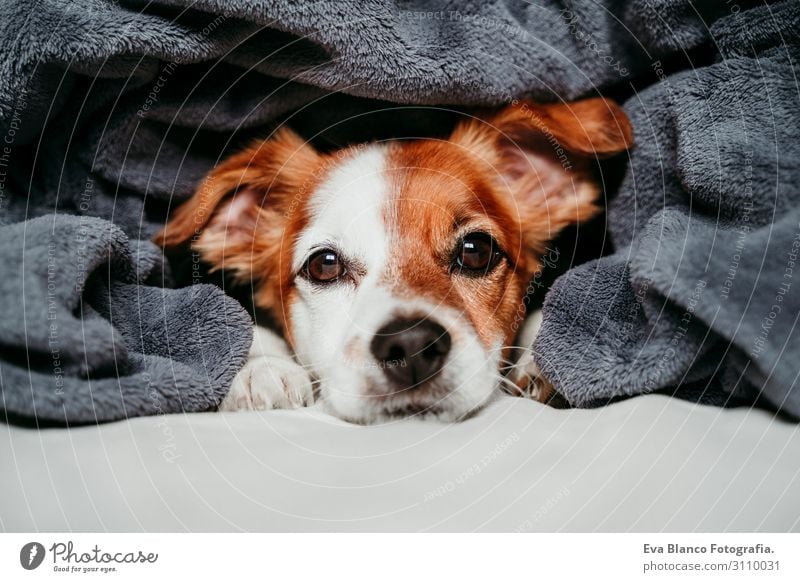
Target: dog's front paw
529,381
269,382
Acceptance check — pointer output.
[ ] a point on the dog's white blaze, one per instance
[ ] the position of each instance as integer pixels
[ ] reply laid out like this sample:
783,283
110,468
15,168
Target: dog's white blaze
334,326
346,210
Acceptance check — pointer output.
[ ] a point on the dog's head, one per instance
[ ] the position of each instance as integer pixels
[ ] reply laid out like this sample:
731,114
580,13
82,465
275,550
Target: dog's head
397,269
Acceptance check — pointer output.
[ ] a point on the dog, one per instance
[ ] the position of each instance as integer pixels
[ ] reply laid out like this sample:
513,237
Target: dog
395,270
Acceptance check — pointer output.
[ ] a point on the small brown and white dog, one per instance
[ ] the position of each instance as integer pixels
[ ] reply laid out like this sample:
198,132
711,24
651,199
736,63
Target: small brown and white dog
395,270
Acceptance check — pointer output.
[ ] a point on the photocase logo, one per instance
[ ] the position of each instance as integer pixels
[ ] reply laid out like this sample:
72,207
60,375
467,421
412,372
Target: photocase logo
31,555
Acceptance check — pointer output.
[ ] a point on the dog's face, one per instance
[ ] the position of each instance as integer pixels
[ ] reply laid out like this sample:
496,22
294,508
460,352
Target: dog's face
398,269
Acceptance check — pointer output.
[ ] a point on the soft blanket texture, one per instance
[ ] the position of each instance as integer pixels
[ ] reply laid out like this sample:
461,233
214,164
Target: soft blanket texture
702,289
114,110
108,344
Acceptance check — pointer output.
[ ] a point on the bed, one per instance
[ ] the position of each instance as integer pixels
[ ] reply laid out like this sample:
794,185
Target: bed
647,464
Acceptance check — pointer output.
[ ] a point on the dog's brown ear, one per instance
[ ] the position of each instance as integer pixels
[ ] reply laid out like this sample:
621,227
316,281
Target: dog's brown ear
590,127
542,155
237,218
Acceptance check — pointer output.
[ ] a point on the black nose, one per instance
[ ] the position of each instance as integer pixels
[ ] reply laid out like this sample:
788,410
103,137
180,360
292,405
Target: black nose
411,352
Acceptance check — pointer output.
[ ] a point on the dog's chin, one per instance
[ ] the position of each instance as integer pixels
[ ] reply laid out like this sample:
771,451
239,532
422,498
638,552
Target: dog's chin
448,406
371,414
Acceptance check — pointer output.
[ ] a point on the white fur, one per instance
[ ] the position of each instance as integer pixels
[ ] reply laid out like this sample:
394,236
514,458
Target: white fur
526,372
270,378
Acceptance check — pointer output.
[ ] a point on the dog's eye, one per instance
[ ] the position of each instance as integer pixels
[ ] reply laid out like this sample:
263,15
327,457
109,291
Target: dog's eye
477,253
324,267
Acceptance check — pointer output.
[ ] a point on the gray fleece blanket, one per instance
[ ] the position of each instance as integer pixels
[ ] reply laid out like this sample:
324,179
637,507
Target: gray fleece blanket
111,112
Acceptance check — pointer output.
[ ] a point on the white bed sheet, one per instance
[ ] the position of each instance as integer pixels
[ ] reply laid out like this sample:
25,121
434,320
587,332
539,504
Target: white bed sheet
646,464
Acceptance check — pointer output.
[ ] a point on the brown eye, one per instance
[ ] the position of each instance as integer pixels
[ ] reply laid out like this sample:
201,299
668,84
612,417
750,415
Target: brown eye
324,267
477,254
